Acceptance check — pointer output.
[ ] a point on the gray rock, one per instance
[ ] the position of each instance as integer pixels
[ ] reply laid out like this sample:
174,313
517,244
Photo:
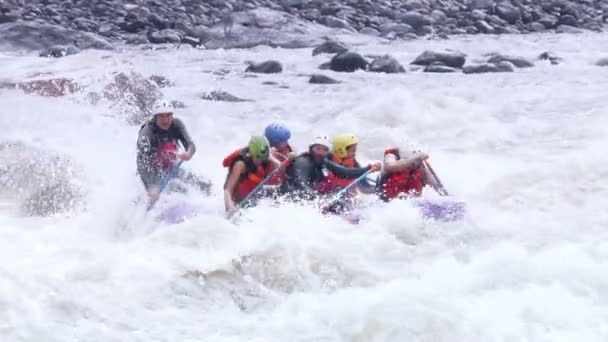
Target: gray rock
567,20
348,62
519,62
482,68
508,12
334,22
222,96
396,28
602,62
568,29
481,4
548,21
536,27
36,36
9,17
369,31
438,16
439,68
267,67
161,81
325,66
484,27
167,36
386,64
415,19
505,66
134,94
322,79
158,22
330,47
425,30
454,59
478,14
59,51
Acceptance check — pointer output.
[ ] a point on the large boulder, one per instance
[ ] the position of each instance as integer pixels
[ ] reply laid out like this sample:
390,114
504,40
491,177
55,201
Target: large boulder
37,36
439,68
454,59
134,94
166,36
485,68
415,19
386,64
53,87
602,62
348,62
508,12
267,67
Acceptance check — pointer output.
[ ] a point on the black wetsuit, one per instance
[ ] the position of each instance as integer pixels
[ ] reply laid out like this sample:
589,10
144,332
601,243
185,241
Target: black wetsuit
151,137
304,172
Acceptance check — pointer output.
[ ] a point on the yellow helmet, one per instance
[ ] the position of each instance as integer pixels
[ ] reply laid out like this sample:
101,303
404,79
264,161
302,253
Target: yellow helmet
341,142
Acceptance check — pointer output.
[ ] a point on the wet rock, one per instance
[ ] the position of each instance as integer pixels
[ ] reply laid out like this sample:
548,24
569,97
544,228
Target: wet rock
52,87
59,51
161,81
483,68
334,22
506,66
9,17
348,62
177,104
484,27
330,47
369,31
508,12
551,57
134,95
454,59
322,79
568,29
325,66
519,62
602,62
439,68
166,36
548,21
567,20
267,67
386,64
481,4
415,19
220,95
536,27
36,36
398,29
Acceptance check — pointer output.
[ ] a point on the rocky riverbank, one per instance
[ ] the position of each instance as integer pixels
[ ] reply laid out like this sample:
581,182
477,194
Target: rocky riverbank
42,24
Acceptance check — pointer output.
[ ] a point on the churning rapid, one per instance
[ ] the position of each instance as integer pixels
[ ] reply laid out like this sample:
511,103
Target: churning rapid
525,150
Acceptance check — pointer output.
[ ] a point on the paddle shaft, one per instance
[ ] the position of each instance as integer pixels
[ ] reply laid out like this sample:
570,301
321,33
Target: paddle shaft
163,184
263,182
339,194
441,189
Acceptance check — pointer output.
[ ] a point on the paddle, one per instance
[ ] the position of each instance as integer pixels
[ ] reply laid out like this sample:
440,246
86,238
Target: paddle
441,190
165,181
339,194
263,182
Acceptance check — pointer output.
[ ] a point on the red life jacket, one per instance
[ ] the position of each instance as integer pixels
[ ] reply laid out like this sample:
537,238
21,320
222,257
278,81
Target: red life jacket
166,155
254,176
280,177
335,182
405,182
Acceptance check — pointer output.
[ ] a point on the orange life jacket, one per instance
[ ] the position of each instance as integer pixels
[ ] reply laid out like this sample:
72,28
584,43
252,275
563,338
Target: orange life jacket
336,182
405,182
280,177
254,176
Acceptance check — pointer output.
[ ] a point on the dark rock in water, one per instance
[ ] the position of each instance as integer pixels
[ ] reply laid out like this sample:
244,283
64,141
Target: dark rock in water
439,68
399,29
9,17
325,66
219,95
386,64
59,51
415,19
536,27
550,56
322,79
268,67
348,62
484,27
567,20
177,104
519,62
425,30
454,59
602,62
329,47
506,66
481,4
166,36
548,21
270,83
134,94
568,29
158,22
331,21
53,87
192,41
483,68
36,36
508,12
161,81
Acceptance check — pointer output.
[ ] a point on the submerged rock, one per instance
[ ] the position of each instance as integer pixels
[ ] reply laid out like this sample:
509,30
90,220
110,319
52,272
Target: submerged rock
602,62
322,79
134,94
59,51
550,56
519,62
454,59
439,68
486,68
54,87
330,47
268,67
220,95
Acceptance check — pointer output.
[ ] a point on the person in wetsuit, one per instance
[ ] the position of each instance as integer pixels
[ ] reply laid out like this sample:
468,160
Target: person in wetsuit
157,151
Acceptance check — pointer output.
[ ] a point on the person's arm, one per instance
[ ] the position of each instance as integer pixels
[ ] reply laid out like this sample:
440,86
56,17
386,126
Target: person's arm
185,139
231,183
147,171
391,164
345,172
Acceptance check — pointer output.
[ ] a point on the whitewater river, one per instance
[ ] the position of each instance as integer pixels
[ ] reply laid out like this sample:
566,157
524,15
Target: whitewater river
525,150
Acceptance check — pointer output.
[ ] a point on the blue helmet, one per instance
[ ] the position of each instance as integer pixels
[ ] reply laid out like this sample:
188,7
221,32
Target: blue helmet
277,133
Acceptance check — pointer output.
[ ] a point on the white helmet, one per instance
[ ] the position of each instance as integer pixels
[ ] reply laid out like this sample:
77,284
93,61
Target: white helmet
163,107
321,140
